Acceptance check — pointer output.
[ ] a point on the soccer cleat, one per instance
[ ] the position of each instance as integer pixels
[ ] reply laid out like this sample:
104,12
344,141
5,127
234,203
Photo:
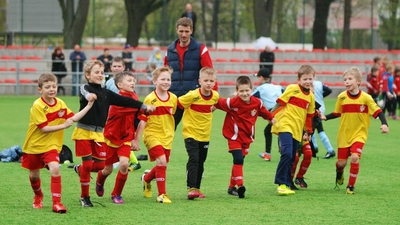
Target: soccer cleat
265,156
99,190
164,198
284,190
339,178
193,193
301,182
350,190
38,201
241,190
76,169
201,194
146,186
117,199
233,191
85,201
132,167
329,155
58,207
293,187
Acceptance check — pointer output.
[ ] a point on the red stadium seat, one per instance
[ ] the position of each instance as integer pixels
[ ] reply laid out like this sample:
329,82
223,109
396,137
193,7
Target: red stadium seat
289,61
290,50
223,49
343,50
327,73
6,57
3,69
276,72
249,60
369,61
356,50
286,72
21,57
94,57
285,83
256,83
329,61
317,50
15,69
237,50
221,60
278,60
30,69
235,60
302,61
328,83
144,48
338,84
331,50
245,72
339,72
383,51
316,61
220,71
230,83
141,59
34,57
144,82
370,51
356,61
343,61
10,81
28,47
304,50
25,81
13,47
250,50
231,72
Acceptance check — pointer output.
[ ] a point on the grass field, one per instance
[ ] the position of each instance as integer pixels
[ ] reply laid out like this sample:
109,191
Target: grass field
375,201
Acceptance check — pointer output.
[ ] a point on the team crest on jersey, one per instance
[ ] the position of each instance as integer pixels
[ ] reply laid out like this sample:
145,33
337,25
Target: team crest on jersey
61,113
362,108
253,112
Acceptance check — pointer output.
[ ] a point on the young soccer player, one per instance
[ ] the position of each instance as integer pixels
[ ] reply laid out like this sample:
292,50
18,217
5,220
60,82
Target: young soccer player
268,93
373,83
305,150
241,115
354,107
158,132
396,84
49,116
118,134
196,128
88,134
294,111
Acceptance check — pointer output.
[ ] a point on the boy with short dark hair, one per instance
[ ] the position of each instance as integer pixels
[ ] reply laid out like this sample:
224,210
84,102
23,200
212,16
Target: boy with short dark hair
373,83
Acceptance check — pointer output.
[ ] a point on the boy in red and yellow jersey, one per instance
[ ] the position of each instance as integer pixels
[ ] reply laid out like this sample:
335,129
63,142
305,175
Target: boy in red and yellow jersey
49,116
158,132
354,107
196,128
294,112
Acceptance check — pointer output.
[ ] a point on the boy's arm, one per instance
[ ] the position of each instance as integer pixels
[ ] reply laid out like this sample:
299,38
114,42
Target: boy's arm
119,100
222,104
83,56
82,113
48,129
326,91
139,130
384,127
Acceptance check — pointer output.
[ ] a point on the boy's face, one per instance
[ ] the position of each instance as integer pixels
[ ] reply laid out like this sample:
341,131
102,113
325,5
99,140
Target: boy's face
127,84
163,81
207,82
306,80
117,67
48,90
96,74
244,92
351,82
375,73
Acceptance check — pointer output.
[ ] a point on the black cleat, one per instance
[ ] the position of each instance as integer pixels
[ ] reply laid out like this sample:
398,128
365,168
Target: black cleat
329,155
301,182
233,191
85,201
241,190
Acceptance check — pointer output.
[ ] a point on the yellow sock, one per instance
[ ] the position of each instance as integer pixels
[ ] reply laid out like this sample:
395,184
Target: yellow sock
133,159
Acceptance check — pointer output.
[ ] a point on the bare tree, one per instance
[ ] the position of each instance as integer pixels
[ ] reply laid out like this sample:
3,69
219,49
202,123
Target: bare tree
74,21
346,37
214,26
320,28
137,11
204,21
263,14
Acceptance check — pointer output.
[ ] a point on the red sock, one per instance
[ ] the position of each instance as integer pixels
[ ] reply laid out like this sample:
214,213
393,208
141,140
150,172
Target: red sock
119,183
150,175
36,186
339,169
232,182
55,187
161,172
305,163
101,178
98,165
238,174
296,160
84,171
354,168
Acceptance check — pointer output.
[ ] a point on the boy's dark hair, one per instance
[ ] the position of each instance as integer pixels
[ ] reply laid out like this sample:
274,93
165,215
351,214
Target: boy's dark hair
118,78
396,69
376,59
46,77
374,69
184,21
118,59
305,69
106,49
243,80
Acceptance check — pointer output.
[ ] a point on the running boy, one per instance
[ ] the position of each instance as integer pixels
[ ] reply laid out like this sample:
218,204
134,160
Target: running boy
118,134
49,116
117,66
158,132
373,83
196,128
239,125
294,111
88,134
355,108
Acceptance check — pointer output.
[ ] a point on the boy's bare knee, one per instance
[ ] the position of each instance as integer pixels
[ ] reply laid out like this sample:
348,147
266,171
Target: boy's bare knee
355,158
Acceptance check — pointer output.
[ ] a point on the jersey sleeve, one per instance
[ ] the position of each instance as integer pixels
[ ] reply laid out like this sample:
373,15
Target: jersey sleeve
338,106
38,116
205,58
373,108
223,104
185,101
284,98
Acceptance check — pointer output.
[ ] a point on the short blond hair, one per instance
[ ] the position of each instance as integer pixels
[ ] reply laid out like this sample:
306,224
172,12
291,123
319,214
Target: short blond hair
206,71
158,71
305,69
46,77
88,66
355,72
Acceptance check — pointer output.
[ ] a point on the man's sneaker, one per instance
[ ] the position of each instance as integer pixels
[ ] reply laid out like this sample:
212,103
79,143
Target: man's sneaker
350,190
146,186
58,207
201,194
164,198
117,199
99,190
241,190
265,156
85,201
301,182
233,191
339,178
76,169
38,201
132,167
293,187
329,155
193,193
284,190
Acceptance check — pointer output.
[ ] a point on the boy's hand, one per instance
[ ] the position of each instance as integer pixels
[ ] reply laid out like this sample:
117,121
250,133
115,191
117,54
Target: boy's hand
306,137
91,97
135,145
320,115
213,108
68,123
149,109
273,121
384,129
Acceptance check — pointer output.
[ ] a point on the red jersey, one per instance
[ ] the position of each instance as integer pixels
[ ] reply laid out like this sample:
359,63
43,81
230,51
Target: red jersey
373,85
120,122
396,85
240,119
382,69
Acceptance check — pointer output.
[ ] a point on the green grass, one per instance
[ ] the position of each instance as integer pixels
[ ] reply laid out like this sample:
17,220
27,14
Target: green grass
376,200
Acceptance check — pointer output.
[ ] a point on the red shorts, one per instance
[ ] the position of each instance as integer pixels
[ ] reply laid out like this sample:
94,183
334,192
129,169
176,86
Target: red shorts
158,151
356,147
39,161
113,154
235,145
89,147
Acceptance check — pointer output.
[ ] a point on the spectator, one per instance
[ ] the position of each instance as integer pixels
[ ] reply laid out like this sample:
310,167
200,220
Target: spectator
155,58
77,57
106,58
191,15
267,59
58,67
128,57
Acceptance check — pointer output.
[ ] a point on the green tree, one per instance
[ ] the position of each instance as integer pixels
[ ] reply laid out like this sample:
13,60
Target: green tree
390,21
263,14
320,28
346,25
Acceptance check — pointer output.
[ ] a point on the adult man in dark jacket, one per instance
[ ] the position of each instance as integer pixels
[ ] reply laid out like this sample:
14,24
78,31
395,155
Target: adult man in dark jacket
267,58
191,15
77,57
